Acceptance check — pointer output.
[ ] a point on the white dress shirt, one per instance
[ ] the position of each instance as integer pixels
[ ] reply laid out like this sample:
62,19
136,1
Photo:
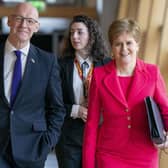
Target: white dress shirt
78,86
9,62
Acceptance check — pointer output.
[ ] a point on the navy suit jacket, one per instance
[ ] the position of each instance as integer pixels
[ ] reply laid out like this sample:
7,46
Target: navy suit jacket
33,125
72,130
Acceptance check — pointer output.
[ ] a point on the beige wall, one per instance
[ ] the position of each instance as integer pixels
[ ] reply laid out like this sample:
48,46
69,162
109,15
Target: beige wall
153,18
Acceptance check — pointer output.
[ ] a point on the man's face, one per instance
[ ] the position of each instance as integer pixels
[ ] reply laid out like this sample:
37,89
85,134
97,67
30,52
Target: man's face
23,23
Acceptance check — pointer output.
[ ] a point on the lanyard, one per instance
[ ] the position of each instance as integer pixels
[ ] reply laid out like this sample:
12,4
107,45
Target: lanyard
86,82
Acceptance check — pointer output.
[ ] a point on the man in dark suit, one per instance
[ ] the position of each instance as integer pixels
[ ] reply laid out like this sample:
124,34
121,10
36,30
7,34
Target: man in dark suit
31,114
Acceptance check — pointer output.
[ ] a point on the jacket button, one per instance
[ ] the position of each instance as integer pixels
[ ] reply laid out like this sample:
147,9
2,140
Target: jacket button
126,110
129,126
12,112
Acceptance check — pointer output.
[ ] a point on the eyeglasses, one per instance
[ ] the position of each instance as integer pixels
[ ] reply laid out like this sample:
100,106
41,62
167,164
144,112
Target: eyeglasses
21,19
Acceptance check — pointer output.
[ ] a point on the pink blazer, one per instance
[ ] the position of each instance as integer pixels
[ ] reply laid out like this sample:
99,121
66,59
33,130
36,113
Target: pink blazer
124,129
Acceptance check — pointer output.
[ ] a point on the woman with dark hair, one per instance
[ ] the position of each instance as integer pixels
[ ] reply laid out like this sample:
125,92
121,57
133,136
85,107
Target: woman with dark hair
84,49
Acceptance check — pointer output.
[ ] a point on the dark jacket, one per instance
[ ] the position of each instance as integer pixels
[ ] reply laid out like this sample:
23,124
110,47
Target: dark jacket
33,125
72,130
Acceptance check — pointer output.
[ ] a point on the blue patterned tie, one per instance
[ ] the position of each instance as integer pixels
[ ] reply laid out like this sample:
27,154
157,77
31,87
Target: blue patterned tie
16,79
84,68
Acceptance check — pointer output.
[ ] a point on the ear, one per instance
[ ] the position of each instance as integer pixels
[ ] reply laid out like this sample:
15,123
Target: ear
9,20
137,48
37,26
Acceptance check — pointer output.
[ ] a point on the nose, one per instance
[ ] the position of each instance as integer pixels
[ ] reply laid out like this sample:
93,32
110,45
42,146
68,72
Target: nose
24,22
75,35
124,46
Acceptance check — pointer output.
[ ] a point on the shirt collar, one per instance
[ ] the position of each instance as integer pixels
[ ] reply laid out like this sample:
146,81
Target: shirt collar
81,60
9,48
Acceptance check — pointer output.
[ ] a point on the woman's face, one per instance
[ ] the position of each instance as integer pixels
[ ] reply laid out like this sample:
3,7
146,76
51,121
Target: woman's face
79,36
124,49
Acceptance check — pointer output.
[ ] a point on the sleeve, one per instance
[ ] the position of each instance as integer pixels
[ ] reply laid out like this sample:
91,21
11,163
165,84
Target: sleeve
75,111
65,93
161,97
55,111
91,126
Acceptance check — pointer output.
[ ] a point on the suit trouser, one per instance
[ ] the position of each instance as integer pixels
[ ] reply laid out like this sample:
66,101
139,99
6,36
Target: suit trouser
69,156
4,163
7,161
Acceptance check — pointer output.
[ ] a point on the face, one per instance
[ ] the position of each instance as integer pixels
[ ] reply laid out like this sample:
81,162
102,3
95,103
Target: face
23,23
124,49
79,36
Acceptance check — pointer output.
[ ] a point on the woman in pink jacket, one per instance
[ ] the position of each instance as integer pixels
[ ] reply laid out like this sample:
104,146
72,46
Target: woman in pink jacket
117,92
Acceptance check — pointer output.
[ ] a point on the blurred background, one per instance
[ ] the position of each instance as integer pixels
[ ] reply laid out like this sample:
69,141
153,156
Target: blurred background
55,15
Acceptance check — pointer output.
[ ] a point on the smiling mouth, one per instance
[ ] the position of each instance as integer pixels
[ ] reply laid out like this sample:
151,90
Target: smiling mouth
124,55
76,42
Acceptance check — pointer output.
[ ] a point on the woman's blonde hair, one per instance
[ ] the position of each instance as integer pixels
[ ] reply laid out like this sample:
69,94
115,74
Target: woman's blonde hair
124,25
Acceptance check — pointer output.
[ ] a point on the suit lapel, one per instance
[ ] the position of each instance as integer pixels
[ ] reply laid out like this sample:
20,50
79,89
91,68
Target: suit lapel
69,76
140,80
111,83
27,77
2,89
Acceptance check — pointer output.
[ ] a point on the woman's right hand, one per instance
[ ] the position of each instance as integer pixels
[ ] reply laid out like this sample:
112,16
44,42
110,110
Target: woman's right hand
163,145
83,113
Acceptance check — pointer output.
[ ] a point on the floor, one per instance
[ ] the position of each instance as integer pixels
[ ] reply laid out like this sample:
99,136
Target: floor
51,161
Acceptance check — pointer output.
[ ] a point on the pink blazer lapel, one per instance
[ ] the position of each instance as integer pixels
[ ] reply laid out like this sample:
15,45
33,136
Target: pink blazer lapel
112,85
140,80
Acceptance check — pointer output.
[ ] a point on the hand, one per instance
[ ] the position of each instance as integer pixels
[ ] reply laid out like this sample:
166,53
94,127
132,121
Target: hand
83,113
163,145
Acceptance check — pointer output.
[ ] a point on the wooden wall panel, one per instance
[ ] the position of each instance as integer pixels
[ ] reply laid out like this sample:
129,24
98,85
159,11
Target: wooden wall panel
128,8
123,8
143,13
163,50
152,15
153,31
132,9
56,11
91,3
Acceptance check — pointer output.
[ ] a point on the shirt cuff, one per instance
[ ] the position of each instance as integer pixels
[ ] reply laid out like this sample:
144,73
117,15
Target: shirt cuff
75,111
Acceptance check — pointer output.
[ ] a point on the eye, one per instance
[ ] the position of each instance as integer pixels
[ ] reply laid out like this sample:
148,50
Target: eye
117,44
30,21
72,33
18,19
129,42
81,32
